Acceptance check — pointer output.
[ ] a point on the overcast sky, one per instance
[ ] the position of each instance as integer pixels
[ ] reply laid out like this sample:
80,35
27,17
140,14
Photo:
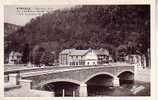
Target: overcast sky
20,15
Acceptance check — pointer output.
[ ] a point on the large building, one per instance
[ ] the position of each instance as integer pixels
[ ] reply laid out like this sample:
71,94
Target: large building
74,57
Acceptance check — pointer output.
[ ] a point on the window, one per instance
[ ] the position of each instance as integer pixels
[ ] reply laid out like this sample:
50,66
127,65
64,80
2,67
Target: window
70,63
83,62
80,63
71,57
93,63
81,57
77,63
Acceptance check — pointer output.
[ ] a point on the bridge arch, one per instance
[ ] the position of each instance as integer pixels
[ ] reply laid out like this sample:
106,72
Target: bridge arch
60,80
123,71
96,74
60,87
97,82
126,77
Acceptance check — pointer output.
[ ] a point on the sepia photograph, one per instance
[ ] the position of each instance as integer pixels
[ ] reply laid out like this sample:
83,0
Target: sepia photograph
77,51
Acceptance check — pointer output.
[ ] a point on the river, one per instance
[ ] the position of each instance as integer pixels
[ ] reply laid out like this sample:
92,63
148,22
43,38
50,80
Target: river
123,90
136,88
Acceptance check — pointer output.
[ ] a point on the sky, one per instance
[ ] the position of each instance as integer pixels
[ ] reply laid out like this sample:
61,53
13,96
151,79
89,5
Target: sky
20,15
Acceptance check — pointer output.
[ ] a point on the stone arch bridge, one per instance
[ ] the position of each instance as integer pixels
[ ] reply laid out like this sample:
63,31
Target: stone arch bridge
80,76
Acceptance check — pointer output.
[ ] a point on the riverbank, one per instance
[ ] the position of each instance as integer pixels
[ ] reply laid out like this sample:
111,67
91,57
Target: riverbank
142,74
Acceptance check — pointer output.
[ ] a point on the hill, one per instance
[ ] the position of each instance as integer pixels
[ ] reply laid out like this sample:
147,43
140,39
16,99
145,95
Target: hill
10,28
83,27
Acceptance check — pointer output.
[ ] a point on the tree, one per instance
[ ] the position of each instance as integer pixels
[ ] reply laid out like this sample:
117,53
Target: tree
26,54
47,58
37,54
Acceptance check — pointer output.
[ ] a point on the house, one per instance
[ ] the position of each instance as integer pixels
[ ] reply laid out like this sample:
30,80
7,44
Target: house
15,57
102,55
90,58
136,59
73,57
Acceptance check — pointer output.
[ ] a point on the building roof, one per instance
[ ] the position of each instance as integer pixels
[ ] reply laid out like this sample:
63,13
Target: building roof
18,54
102,52
79,52
83,52
13,53
74,52
66,51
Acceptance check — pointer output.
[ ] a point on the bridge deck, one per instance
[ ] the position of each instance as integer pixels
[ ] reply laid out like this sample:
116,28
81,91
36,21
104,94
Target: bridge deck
26,71
50,71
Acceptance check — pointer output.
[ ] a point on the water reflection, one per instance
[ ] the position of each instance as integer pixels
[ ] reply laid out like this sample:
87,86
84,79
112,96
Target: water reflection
123,90
63,89
70,89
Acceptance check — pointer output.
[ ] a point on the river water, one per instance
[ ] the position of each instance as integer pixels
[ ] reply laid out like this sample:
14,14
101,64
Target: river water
123,90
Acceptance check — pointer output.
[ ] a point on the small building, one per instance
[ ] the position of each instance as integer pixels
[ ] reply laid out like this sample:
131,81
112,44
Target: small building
136,59
73,57
102,55
91,58
15,57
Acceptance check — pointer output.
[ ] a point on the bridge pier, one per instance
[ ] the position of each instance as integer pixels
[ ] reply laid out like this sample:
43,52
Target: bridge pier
14,78
83,90
116,82
26,84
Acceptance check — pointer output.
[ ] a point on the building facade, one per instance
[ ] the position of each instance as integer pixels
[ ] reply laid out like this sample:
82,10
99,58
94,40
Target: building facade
73,57
136,59
103,56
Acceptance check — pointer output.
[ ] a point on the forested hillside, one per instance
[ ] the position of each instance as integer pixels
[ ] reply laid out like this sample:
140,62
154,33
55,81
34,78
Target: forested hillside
106,26
10,28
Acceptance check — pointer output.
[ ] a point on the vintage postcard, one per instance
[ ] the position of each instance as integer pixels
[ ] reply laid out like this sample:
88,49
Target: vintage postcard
79,50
